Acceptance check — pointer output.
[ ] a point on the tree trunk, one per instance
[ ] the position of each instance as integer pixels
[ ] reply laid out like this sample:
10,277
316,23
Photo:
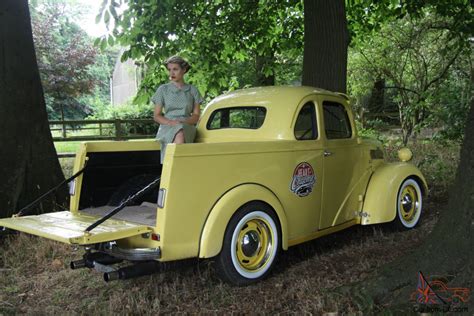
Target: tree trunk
447,251
325,44
28,161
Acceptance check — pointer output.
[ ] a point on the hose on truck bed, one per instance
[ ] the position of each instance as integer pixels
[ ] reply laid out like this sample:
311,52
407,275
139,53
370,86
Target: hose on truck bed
125,203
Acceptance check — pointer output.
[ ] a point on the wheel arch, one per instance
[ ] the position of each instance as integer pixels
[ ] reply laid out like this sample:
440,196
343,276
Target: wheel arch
381,194
212,235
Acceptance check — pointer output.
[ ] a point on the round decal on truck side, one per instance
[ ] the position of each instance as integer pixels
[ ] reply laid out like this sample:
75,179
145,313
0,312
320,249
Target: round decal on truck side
303,179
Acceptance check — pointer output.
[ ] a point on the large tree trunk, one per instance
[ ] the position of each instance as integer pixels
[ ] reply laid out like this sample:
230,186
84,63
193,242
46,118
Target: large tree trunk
325,44
447,251
28,161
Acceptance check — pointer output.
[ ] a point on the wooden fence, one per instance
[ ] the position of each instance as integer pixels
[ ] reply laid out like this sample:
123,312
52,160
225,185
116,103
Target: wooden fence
118,129
102,129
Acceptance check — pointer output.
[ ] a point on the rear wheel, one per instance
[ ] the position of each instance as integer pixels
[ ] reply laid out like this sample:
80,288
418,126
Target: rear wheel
409,204
251,245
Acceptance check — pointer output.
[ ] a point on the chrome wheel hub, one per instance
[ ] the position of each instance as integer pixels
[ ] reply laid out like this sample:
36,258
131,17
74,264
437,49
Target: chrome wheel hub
250,243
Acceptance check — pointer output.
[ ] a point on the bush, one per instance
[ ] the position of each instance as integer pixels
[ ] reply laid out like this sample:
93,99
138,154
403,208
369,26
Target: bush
127,112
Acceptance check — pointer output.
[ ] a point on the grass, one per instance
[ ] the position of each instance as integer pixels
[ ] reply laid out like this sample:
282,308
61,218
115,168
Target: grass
67,147
36,280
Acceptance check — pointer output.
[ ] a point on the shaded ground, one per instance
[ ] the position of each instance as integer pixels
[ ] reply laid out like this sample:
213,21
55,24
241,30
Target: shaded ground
38,280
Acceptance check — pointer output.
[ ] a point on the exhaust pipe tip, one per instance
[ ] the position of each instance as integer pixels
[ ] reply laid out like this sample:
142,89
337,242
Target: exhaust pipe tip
111,276
78,264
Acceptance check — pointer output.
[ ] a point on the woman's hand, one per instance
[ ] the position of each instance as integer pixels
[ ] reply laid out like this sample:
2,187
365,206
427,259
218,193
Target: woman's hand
173,122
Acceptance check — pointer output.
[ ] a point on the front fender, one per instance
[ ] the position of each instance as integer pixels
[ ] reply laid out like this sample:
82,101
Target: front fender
214,228
380,202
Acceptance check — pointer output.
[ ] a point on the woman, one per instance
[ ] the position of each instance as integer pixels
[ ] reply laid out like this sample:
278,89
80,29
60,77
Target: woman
180,103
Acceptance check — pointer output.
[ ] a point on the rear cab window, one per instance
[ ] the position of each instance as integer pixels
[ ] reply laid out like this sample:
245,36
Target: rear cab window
306,127
246,117
336,121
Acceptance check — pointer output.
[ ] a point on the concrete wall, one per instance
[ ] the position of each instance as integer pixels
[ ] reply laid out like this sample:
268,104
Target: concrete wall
124,81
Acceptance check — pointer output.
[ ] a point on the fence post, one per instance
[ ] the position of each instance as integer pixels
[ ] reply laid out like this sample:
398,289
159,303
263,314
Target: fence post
118,129
64,128
100,129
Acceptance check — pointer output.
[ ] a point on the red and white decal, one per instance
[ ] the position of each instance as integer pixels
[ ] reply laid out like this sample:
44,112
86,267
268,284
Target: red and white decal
303,179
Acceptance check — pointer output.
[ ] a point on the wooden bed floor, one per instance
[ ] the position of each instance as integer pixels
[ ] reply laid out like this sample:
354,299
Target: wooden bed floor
141,214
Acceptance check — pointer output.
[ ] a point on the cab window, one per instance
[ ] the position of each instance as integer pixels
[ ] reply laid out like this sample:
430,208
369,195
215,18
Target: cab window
249,117
336,121
305,126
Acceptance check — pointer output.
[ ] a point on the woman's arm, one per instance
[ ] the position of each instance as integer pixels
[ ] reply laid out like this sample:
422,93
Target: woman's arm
160,119
194,118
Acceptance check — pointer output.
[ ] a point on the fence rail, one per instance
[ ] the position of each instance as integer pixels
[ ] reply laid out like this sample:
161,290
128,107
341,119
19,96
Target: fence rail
117,129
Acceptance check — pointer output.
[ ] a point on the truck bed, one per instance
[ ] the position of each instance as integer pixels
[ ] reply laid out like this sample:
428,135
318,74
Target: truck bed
141,214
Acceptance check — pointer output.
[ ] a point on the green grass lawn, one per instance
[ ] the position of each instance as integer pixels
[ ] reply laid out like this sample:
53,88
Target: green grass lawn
67,147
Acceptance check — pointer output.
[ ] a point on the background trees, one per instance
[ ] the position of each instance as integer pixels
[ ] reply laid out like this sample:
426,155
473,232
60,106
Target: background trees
71,68
231,43
415,71
395,58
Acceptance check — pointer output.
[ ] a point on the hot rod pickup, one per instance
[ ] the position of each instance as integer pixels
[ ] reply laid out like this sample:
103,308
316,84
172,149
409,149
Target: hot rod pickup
270,168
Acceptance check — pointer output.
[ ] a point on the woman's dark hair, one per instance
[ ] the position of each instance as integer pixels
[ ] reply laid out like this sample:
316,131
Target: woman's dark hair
180,61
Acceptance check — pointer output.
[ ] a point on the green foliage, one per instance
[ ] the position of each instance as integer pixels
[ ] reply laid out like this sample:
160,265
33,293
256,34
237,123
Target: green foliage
127,111
407,55
366,17
70,67
372,129
231,44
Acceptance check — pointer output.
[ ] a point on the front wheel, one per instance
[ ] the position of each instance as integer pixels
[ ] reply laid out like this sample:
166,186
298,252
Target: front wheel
251,245
409,204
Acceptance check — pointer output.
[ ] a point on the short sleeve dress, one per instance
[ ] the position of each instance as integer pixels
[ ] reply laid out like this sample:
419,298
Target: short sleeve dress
177,103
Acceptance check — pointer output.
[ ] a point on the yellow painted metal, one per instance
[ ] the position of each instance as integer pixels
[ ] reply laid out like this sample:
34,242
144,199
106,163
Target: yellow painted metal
103,146
405,154
380,204
129,145
79,163
257,231
216,223
281,100
323,232
410,193
69,228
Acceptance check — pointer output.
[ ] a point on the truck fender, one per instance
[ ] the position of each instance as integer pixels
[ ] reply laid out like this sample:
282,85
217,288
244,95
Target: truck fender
381,195
212,235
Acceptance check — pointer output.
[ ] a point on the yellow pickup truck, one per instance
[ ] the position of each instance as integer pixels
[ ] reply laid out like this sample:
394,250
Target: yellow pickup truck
271,167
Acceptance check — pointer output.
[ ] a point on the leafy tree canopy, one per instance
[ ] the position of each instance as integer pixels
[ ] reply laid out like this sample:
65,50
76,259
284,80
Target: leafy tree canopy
222,39
233,43
366,16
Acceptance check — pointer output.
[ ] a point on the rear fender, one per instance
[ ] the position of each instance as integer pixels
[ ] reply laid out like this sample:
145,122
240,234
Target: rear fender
381,196
213,233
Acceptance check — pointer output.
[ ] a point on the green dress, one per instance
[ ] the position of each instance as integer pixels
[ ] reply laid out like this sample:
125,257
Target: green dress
176,104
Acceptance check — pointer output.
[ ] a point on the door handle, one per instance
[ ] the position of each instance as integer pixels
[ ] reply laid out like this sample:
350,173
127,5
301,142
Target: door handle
327,153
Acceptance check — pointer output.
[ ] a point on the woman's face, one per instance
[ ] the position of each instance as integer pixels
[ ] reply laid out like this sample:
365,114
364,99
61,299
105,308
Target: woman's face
176,73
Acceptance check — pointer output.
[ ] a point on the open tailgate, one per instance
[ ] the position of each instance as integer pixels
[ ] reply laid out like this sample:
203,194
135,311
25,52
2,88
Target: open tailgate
69,228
